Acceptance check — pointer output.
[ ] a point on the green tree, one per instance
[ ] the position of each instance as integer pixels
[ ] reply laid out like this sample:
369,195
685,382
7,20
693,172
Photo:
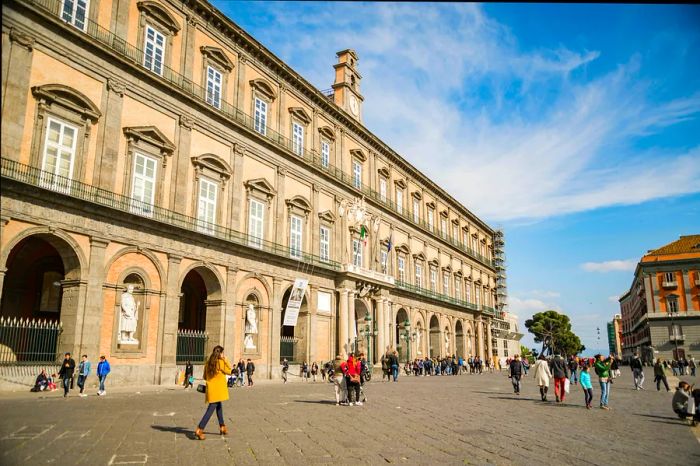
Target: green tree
553,330
526,353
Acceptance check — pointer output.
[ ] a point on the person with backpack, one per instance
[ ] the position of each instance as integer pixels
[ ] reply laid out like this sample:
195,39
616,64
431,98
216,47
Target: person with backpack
102,370
660,375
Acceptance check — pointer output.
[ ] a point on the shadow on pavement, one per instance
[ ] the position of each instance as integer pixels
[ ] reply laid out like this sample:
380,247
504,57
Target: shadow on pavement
320,402
189,433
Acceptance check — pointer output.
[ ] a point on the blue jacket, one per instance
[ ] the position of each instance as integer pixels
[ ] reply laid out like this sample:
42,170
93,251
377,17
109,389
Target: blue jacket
84,368
585,379
103,368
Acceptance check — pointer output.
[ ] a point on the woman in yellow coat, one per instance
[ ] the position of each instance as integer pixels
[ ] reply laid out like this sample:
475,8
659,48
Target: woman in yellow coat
215,372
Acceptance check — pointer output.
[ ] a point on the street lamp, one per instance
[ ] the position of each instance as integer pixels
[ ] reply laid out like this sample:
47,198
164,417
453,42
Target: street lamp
672,314
406,335
368,332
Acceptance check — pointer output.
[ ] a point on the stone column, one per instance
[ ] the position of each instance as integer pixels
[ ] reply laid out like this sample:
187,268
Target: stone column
686,291
315,247
188,51
279,226
17,63
240,83
92,312
3,222
215,309
168,326
281,111
108,135
274,327
489,343
238,208
381,327
181,166
231,324
119,23
343,321
352,328
72,315
480,338
312,334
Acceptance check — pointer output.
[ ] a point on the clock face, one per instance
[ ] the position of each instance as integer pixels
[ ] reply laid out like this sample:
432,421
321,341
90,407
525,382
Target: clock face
354,107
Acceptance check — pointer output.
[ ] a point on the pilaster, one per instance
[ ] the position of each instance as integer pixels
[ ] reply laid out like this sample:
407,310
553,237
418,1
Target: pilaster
93,309
279,226
352,324
237,208
182,165
274,326
169,321
312,334
231,322
381,327
15,92
343,322
108,135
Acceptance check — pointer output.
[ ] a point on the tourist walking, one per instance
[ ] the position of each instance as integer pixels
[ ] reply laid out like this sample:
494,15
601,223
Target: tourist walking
560,371
660,375
573,367
542,376
516,373
83,372
394,364
66,373
241,371
637,372
189,375
249,370
215,372
602,369
102,371
337,374
285,369
586,386
354,369
386,368
314,370
692,366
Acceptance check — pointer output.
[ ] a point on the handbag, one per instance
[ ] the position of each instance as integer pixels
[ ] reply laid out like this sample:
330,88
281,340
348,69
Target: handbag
567,385
201,388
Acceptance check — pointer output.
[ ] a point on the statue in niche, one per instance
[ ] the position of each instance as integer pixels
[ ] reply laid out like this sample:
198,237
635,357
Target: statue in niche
251,327
419,332
129,318
447,343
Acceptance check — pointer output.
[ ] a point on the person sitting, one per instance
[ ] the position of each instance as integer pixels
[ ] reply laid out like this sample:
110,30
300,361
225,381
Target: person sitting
680,400
42,382
51,383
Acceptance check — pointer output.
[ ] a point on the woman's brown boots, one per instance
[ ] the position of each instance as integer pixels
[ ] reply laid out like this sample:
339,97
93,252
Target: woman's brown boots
223,430
199,433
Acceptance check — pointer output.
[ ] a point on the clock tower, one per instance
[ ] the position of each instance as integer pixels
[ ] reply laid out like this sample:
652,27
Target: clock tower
346,88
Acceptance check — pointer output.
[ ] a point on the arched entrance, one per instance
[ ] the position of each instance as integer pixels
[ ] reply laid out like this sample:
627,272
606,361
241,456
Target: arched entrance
200,321
434,337
362,327
400,332
293,339
42,282
459,339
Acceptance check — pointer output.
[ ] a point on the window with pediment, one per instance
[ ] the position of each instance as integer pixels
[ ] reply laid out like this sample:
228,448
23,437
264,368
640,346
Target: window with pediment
62,130
263,94
327,137
259,193
211,173
157,28
79,12
326,220
298,209
216,68
299,121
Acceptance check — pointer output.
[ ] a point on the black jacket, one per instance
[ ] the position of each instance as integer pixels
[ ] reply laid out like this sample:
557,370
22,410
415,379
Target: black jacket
559,367
516,368
636,363
67,369
250,368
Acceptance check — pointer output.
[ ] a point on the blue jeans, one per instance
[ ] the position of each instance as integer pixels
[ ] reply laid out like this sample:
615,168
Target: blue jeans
66,385
395,371
573,378
102,382
210,410
604,391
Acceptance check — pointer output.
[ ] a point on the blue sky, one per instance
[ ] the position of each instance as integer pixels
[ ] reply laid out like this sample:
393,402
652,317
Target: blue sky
576,128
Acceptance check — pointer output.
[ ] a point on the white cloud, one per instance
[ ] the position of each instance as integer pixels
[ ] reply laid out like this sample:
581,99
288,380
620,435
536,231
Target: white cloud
452,91
544,294
610,266
526,307
614,299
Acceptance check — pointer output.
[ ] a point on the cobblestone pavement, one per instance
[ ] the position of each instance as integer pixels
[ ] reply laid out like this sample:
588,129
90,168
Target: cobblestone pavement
432,420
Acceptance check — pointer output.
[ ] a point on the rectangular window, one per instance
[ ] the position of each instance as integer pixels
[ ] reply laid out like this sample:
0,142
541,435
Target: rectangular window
458,288
295,236
385,258
416,211
402,269
430,219
419,275
455,232
206,207
154,50
433,279
298,139
672,305
325,154
256,216
357,252
143,187
75,12
59,155
669,277
382,189
260,124
325,246
443,227
474,245
468,289
399,200
446,283
676,332
213,87
477,296
357,174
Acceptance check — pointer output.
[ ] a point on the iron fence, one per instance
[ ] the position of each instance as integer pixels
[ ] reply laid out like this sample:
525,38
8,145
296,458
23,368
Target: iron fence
28,341
288,348
191,346
135,56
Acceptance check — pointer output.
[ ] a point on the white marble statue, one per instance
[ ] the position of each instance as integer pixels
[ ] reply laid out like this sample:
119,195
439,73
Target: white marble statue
419,332
251,327
129,316
447,343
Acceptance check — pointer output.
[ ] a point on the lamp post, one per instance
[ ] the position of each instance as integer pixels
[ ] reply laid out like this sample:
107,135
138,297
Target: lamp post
368,332
672,314
406,335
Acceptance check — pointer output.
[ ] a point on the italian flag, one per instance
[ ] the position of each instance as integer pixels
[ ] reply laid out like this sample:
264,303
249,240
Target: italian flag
363,235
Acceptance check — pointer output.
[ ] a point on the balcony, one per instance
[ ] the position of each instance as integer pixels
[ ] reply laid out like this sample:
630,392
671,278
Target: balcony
133,56
677,337
669,285
367,274
443,297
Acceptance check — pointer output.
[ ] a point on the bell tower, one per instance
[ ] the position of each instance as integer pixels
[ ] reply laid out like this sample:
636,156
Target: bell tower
346,88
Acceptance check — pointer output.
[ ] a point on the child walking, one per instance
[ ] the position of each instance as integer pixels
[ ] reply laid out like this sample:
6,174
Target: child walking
585,379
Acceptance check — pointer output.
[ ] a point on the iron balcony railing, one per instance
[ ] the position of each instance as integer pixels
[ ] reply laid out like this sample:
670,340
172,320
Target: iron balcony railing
28,341
135,56
32,176
191,346
443,297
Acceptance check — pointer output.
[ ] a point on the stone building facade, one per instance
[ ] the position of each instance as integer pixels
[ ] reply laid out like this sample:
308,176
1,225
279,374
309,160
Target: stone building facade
157,144
661,311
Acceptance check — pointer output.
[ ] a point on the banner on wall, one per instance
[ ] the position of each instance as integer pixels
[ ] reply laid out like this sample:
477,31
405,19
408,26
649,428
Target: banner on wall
291,312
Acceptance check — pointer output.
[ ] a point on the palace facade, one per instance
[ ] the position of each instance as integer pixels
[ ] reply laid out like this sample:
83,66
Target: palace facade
157,144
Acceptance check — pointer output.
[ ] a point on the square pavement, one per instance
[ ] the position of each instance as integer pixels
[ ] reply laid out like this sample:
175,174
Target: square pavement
466,419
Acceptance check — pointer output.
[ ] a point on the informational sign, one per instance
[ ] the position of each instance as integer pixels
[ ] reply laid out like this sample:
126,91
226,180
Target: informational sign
324,302
291,312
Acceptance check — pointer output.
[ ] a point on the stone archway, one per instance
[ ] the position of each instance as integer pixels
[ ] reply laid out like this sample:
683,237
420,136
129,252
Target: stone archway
434,337
402,346
362,310
293,339
201,313
459,339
